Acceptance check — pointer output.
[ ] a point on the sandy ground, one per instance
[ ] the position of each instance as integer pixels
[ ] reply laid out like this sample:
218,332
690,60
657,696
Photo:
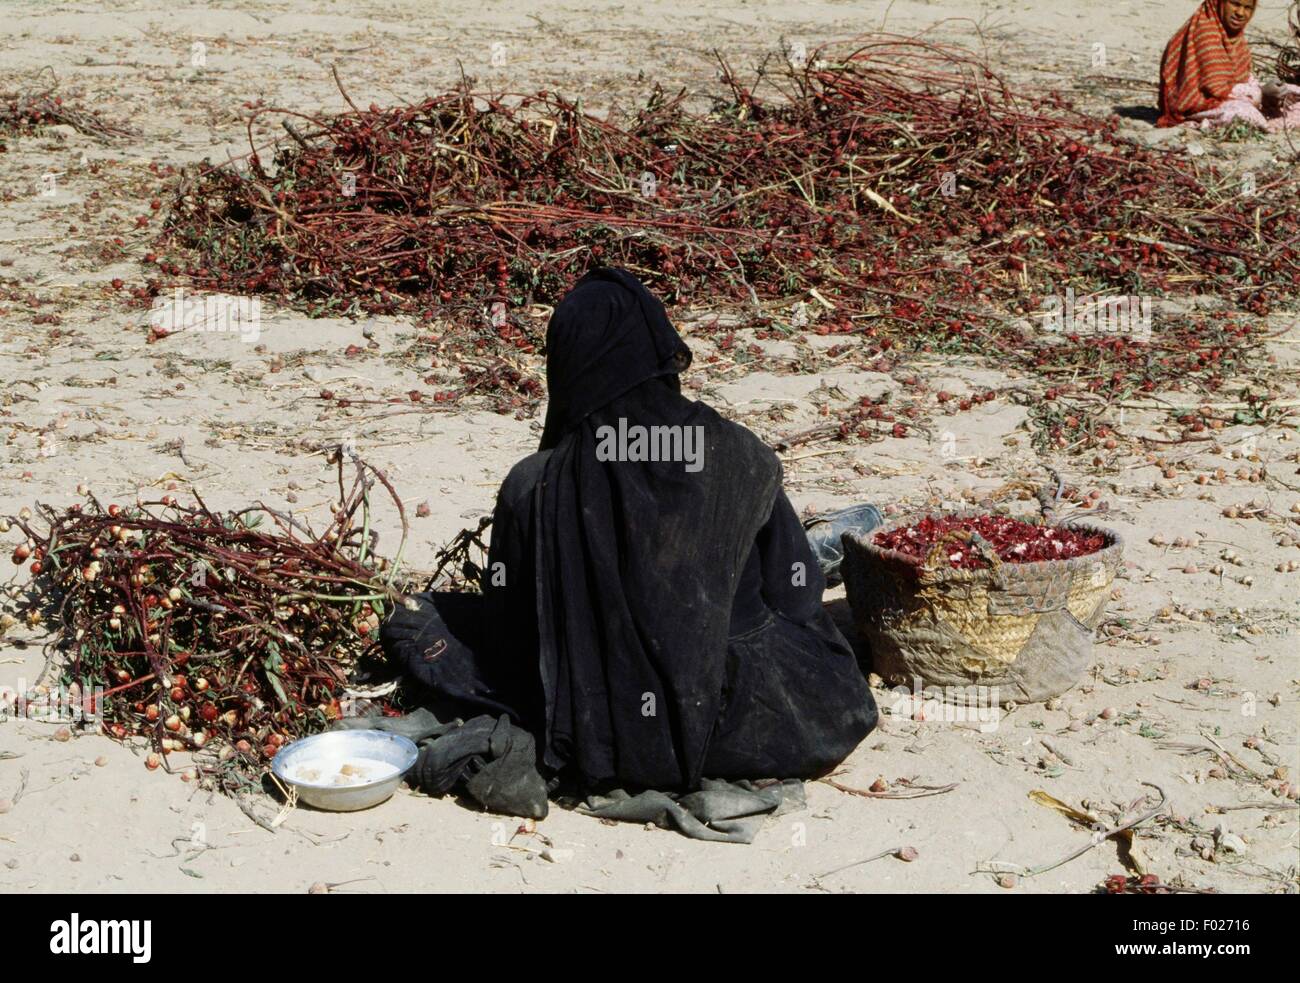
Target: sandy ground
1190,659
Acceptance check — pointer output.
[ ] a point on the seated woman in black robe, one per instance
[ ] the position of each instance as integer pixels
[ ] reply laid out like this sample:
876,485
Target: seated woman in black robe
652,611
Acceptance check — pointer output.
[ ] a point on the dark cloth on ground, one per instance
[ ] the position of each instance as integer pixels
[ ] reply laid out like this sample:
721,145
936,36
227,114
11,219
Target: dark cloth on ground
493,762
487,758
725,812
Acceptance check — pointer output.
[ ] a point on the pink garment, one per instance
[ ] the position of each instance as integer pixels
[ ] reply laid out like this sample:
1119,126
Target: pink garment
1244,103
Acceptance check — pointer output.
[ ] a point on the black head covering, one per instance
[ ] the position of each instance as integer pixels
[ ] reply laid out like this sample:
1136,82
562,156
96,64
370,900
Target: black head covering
636,562
606,335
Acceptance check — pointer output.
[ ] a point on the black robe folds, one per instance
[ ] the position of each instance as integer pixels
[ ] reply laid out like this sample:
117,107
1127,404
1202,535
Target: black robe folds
651,623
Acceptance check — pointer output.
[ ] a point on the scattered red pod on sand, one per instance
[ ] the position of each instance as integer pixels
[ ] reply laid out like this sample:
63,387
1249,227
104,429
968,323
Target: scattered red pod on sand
1013,540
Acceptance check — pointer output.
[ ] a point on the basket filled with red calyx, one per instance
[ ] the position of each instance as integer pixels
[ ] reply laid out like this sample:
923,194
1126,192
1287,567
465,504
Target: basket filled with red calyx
976,599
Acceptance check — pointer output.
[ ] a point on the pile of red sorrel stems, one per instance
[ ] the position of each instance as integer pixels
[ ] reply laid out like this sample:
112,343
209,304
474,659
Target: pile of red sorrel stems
231,633
904,182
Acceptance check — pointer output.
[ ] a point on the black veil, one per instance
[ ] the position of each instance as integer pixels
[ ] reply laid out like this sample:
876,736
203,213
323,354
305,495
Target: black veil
637,562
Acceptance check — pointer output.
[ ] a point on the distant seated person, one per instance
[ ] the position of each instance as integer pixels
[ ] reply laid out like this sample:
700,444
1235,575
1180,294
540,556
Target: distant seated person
1206,77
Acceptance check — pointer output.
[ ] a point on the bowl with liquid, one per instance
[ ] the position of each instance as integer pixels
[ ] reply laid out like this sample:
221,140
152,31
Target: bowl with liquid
345,770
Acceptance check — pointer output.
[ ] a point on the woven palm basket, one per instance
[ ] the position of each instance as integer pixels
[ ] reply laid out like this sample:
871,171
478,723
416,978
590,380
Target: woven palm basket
1025,629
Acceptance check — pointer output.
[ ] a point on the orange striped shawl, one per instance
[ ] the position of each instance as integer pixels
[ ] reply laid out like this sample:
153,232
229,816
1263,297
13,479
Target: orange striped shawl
1200,66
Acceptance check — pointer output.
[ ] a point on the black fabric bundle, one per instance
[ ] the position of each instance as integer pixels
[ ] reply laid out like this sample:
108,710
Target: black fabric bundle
653,626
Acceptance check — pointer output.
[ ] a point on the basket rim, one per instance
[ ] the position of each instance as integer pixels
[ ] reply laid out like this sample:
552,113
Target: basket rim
864,543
